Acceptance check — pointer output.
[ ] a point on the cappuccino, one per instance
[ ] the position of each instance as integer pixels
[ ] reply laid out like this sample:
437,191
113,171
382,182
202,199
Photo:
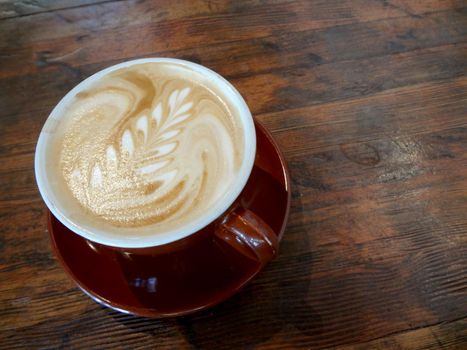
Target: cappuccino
151,146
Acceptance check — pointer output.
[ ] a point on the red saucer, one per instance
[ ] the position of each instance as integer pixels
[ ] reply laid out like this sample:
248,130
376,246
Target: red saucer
185,280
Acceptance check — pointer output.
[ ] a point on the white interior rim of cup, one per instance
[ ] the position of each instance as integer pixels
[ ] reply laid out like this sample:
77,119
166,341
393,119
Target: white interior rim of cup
117,240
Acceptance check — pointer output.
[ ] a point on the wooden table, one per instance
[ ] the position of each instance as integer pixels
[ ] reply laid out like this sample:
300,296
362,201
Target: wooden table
367,99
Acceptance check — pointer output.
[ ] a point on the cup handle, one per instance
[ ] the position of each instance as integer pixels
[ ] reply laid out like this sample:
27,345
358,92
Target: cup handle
246,232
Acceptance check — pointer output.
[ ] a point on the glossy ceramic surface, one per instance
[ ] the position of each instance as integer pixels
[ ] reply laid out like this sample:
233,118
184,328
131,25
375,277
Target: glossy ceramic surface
185,277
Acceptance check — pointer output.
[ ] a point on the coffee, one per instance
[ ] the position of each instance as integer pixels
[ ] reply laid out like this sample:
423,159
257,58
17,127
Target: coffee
150,146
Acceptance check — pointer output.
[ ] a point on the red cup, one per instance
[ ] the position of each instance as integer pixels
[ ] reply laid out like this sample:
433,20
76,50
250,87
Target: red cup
240,231
198,271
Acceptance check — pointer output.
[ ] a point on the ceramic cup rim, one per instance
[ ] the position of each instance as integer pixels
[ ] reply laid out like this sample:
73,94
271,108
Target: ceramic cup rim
132,241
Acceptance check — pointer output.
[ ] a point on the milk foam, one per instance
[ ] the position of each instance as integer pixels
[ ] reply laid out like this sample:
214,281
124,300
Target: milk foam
144,146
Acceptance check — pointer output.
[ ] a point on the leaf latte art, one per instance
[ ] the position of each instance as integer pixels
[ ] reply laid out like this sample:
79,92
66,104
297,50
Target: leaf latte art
145,147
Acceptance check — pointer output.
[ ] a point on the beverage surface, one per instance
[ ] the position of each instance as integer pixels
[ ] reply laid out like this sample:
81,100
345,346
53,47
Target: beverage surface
150,144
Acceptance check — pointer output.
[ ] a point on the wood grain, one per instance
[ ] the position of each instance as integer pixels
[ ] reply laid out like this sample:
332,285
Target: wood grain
141,25
273,90
368,101
434,337
13,9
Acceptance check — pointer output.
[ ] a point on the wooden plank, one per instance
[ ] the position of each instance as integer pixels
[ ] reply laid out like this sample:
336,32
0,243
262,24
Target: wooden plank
94,328
212,19
305,48
48,44
364,201
450,335
301,86
132,17
290,87
13,9
403,111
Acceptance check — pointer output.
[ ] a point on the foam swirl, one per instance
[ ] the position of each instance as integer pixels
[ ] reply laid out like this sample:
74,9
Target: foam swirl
144,148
